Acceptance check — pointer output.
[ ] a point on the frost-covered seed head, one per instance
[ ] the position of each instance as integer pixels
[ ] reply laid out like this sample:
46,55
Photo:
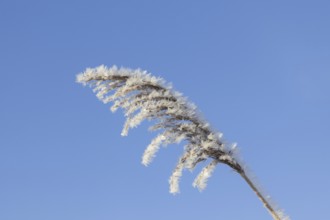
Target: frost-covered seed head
143,96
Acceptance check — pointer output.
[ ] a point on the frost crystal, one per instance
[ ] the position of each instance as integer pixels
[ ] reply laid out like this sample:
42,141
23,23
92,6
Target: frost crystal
143,96
200,181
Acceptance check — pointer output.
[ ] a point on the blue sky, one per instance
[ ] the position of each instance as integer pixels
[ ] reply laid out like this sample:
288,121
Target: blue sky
258,70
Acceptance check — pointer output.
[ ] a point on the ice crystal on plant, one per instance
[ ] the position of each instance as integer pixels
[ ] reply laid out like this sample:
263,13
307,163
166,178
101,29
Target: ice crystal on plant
143,96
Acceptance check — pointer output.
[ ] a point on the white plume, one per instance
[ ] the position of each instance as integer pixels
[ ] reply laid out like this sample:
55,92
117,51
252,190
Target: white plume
143,96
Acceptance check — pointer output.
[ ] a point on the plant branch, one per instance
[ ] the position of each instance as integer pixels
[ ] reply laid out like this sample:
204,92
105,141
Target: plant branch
265,202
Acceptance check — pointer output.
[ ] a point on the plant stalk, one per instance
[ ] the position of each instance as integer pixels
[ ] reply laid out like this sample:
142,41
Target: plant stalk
260,196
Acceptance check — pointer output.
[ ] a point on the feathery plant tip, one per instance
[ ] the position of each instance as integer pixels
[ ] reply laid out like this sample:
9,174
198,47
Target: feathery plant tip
143,96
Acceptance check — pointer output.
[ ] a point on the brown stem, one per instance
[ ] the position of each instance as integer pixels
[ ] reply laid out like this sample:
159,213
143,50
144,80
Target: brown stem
260,196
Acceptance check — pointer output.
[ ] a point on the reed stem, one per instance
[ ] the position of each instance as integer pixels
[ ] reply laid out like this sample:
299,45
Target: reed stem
265,202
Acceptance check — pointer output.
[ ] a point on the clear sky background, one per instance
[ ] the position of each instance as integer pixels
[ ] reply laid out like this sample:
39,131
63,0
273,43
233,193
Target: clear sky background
258,70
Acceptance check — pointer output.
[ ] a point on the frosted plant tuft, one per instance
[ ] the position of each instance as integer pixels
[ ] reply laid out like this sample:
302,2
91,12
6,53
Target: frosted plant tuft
143,96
